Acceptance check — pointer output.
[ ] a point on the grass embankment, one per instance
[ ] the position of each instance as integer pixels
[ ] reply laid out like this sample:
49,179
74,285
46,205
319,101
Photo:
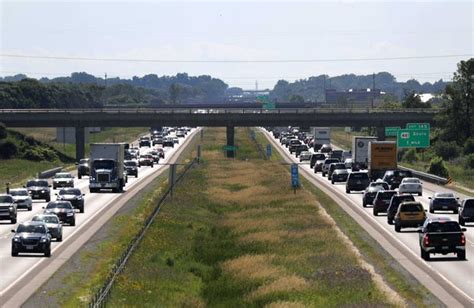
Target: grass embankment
16,171
463,176
235,235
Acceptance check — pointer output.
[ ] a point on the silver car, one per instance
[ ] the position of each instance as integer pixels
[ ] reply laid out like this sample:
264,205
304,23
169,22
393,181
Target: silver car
22,198
411,186
52,222
63,179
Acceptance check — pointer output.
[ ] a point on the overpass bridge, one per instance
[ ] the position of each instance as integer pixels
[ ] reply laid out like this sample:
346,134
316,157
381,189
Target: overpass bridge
229,118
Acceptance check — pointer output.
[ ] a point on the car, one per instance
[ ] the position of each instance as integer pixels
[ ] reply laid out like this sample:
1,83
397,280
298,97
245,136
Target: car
156,157
180,134
337,154
371,191
444,201
357,181
325,148
327,163
161,152
62,209
442,235
411,186
135,152
339,175
52,223
316,157
83,167
73,195
305,156
132,167
395,177
8,208
39,189
168,142
175,140
63,179
301,148
158,140
348,163
144,143
22,198
31,236
333,167
382,201
409,214
466,211
145,160
394,204
293,145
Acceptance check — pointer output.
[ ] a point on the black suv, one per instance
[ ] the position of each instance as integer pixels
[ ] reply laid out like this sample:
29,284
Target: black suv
382,201
371,191
132,167
394,204
32,236
315,157
83,168
395,177
73,195
466,211
64,211
357,181
39,189
8,208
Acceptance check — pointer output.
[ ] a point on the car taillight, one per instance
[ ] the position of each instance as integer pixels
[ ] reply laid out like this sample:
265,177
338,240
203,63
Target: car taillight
463,239
426,240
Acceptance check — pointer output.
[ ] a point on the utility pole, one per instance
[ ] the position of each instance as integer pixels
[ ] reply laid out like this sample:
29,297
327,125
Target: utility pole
373,89
325,98
105,79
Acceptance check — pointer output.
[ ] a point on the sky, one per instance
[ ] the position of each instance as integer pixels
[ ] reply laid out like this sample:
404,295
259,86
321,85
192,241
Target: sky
240,42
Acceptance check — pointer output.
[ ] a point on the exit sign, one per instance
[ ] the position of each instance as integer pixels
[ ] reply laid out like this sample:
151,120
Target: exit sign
418,126
413,138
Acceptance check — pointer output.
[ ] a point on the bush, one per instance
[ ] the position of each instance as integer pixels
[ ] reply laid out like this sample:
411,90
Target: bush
410,156
3,131
469,161
40,154
447,150
8,149
437,167
469,146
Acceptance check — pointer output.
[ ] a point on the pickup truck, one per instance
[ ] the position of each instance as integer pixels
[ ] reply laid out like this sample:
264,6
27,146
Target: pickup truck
442,235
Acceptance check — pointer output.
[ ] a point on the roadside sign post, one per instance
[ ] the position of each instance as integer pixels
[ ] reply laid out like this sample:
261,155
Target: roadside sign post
199,153
295,181
172,178
269,150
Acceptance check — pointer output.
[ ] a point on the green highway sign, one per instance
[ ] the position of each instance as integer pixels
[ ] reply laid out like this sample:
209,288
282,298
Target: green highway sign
413,138
391,131
418,126
230,148
268,105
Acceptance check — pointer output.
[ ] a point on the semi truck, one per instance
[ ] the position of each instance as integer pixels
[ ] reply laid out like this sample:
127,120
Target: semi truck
382,157
107,167
322,135
360,151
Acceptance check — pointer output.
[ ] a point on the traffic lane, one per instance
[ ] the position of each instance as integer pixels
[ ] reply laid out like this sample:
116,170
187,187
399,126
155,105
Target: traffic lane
458,273
13,267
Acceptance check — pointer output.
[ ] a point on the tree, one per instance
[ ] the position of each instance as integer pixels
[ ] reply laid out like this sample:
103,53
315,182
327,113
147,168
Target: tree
174,90
413,100
457,115
296,99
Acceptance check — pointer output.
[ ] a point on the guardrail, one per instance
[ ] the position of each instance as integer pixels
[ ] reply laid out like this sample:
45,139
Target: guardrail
101,296
49,173
426,176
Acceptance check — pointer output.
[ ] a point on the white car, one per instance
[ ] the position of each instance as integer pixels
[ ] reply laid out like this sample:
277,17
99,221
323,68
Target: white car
411,186
63,179
22,198
305,156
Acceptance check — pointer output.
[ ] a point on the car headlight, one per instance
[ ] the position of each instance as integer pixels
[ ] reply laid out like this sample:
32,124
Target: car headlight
43,191
44,239
16,239
11,208
70,214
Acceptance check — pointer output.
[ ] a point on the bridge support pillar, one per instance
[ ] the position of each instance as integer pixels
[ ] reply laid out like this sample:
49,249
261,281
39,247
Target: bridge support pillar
230,149
80,142
380,133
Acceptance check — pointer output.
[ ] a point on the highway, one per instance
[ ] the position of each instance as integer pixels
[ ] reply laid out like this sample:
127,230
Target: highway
16,272
448,278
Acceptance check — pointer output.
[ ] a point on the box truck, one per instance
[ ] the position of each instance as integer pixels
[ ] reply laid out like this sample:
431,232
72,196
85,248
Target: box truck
107,167
360,151
322,135
382,157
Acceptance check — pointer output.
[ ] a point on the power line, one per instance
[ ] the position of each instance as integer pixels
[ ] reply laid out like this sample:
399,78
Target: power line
230,61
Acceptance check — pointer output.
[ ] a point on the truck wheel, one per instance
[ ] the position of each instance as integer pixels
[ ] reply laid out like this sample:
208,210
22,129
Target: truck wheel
364,204
60,238
376,213
79,176
14,220
461,221
73,223
398,228
81,210
47,253
461,254
48,199
425,255
14,253
332,181
456,211
431,210
348,191
30,208
389,221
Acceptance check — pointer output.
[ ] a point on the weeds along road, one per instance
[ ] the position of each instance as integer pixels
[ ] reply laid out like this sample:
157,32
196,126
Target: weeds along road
445,276
21,276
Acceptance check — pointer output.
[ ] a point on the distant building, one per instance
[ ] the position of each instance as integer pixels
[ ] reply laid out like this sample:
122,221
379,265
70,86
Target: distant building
354,97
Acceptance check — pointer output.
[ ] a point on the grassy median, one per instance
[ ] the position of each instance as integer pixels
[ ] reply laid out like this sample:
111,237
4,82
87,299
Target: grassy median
234,234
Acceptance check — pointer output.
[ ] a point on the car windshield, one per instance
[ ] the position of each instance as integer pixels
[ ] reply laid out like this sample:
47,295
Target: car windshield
447,226
319,156
103,164
63,175
46,219
386,195
70,191
469,204
6,199
412,207
403,173
83,161
359,176
58,205
31,229
400,199
379,184
19,192
340,166
444,195
130,163
411,181
37,183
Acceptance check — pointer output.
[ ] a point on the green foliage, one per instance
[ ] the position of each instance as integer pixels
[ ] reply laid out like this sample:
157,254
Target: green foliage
413,100
410,156
390,105
437,167
3,131
469,146
295,98
39,154
8,149
469,161
447,150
